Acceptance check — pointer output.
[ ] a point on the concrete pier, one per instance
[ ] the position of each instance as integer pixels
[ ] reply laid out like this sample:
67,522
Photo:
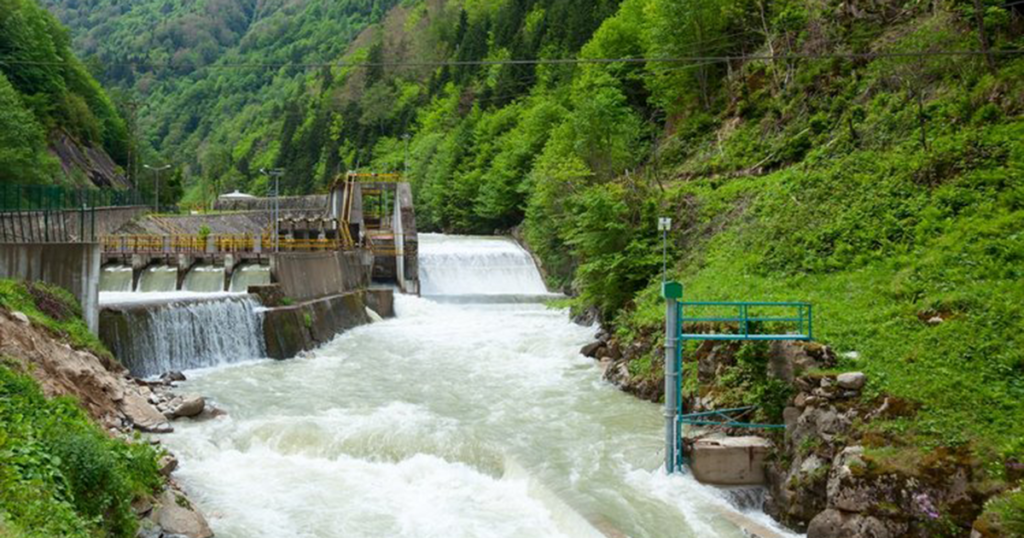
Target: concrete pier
730,461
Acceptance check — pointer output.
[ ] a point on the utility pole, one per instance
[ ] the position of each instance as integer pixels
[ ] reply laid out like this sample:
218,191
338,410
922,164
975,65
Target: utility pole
156,183
405,163
276,213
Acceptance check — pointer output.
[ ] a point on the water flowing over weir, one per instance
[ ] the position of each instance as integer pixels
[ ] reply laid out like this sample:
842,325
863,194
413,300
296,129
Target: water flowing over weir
204,279
153,338
116,278
466,266
466,420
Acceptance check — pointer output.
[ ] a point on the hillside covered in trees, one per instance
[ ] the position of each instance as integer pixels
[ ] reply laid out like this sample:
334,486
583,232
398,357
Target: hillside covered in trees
57,125
863,156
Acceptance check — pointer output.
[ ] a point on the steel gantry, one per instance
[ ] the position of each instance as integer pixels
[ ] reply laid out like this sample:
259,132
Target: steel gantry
742,321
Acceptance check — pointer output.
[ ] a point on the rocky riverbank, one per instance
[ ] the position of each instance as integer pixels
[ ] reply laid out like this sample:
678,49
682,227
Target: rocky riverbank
119,403
841,468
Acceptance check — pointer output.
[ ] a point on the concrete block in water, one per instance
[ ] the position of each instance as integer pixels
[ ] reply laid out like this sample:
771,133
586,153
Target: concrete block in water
730,461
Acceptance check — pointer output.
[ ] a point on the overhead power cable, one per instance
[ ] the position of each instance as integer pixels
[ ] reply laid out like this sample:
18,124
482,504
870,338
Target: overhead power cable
585,61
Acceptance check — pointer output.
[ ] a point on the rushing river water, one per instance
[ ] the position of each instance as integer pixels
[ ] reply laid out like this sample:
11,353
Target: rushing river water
452,420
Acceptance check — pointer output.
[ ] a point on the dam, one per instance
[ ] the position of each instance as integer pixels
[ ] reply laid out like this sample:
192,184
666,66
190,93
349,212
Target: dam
468,418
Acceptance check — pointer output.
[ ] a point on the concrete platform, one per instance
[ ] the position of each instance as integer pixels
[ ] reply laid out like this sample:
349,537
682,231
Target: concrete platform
730,461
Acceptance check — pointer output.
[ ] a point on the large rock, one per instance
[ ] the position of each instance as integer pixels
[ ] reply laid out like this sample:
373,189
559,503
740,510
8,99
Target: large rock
790,359
852,380
177,517
835,524
144,416
187,406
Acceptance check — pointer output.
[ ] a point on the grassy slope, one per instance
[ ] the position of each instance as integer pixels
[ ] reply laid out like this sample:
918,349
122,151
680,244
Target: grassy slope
60,474
881,235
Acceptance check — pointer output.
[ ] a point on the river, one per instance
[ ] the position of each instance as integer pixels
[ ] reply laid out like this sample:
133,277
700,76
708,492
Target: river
459,418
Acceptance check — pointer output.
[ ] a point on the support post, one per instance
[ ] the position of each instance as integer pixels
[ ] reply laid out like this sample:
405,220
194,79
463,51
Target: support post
672,292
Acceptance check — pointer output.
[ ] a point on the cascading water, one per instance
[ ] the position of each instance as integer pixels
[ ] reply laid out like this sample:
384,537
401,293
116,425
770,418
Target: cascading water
249,275
158,279
204,279
472,420
116,278
472,266
151,339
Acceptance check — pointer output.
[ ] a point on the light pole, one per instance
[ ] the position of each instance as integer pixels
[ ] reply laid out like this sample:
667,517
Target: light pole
405,161
276,174
664,226
156,183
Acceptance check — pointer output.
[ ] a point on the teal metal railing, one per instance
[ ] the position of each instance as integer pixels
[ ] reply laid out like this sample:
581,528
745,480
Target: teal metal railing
721,321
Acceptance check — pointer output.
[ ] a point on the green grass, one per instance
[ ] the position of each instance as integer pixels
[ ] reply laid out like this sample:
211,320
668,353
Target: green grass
60,475
875,251
54,308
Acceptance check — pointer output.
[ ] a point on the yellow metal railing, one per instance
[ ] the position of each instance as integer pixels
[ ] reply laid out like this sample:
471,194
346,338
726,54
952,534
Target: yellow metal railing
187,244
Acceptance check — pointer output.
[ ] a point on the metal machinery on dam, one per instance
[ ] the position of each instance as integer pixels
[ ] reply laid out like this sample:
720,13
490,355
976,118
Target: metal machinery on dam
363,213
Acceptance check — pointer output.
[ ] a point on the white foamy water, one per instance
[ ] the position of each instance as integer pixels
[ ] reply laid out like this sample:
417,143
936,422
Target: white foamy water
204,279
459,266
467,420
116,278
156,337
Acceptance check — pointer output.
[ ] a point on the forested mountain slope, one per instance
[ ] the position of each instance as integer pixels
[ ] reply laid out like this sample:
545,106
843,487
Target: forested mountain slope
56,123
212,77
863,156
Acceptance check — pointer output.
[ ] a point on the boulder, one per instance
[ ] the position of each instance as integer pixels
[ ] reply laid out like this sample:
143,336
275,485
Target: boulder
172,377
176,516
852,380
144,417
835,524
187,406
789,360
168,463
592,349
20,316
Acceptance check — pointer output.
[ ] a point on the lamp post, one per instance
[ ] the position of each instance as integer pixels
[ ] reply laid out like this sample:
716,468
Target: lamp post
276,174
156,184
405,160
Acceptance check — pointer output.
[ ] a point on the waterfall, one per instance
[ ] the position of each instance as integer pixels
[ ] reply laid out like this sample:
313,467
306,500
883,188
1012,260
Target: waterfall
116,278
151,339
204,279
477,266
249,275
158,278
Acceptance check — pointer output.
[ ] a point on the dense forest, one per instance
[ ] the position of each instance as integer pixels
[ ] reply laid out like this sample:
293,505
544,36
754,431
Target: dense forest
841,153
48,98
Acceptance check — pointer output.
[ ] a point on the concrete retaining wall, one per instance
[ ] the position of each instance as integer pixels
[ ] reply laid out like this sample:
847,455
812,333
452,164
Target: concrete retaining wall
72,266
291,330
306,276
66,226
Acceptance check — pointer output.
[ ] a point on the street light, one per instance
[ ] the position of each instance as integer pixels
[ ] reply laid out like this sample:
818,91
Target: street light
664,226
276,174
156,183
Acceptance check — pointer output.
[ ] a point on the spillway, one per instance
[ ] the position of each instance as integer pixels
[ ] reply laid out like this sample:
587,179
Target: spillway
155,337
474,419
452,266
249,275
158,279
204,279
116,279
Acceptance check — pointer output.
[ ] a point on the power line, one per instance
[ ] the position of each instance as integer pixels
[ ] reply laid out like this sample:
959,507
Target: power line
583,61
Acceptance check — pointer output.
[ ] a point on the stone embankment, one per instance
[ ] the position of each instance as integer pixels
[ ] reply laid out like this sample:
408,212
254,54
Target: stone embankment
118,402
833,473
